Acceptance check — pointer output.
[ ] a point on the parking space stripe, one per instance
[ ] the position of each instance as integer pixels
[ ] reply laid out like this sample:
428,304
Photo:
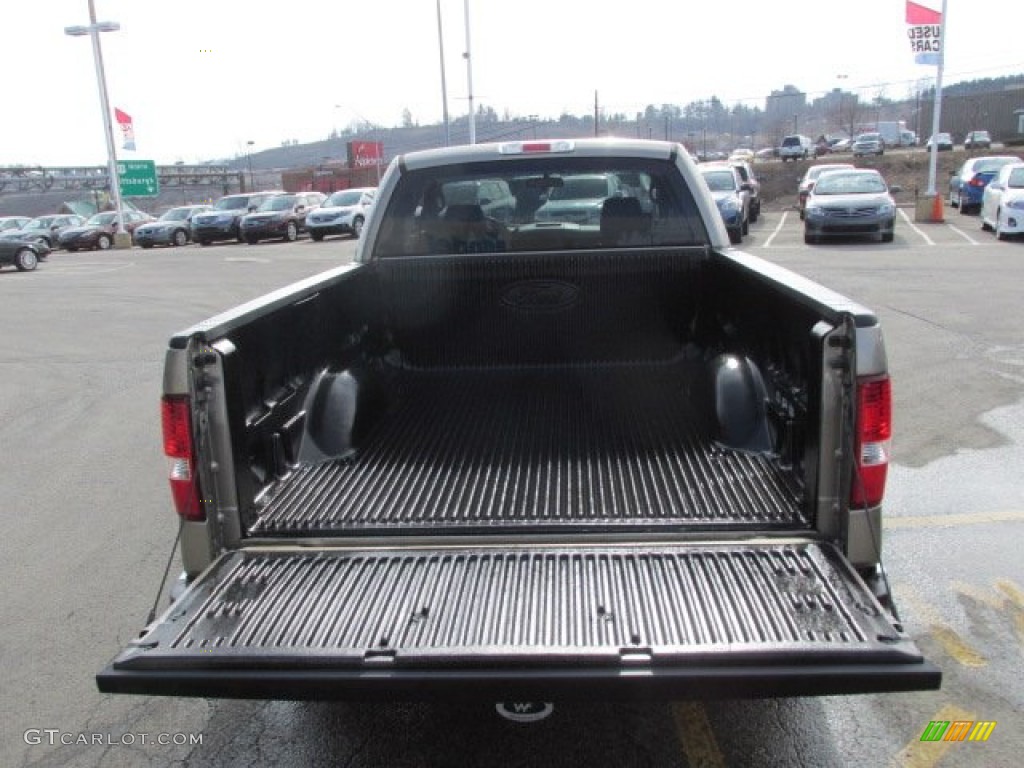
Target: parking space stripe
925,754
910,224
696,736
955,646
947,521
964,235
1016,597
782,223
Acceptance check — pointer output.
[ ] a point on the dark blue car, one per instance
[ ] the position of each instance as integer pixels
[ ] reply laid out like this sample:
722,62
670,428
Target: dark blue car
967,185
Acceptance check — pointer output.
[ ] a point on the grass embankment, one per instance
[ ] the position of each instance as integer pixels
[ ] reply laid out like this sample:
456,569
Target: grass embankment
906,169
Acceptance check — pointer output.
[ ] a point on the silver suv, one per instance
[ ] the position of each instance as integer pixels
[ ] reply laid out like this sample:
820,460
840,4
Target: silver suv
796,147
343,213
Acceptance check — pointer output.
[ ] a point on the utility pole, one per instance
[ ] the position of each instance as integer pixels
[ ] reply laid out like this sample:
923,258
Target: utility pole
596,114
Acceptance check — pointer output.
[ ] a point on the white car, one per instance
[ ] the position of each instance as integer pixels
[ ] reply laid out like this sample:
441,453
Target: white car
1002,204
343,213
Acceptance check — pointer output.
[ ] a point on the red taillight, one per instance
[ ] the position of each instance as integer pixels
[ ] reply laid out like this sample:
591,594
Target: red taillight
177,428
874,434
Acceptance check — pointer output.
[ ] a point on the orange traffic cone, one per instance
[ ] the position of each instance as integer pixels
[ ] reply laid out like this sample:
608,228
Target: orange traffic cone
937,209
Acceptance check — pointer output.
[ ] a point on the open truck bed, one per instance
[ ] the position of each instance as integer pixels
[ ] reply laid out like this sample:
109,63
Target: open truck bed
582,447
538,527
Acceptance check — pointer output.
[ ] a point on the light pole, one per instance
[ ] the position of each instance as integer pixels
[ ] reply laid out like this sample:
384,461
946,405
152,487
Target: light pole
248,157
122,239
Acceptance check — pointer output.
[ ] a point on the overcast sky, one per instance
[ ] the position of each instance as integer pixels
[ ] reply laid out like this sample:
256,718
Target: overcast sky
203,77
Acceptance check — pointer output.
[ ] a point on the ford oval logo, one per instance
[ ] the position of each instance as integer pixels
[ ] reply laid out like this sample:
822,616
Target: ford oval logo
540,295
525,711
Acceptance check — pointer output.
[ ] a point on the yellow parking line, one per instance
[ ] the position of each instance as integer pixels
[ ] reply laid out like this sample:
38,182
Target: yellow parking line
696,736
948,521
1016,597
1012,591
955,646
925,754
978,595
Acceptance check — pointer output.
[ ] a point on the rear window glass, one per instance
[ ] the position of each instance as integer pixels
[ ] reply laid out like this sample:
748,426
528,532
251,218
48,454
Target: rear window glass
839,183
552,203
993,164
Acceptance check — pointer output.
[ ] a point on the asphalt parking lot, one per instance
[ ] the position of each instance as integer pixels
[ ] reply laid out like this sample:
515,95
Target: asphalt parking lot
89,527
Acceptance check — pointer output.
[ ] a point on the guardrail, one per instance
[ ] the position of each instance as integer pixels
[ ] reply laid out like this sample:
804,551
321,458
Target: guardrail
43,179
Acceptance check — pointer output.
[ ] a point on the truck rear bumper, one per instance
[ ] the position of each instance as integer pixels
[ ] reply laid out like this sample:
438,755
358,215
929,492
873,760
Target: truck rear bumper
539,623
699,681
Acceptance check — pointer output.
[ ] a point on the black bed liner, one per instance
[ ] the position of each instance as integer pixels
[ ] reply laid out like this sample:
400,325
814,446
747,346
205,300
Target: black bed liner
750,619
583,446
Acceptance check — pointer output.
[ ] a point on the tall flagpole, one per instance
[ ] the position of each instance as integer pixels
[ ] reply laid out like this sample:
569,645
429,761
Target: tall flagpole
933,160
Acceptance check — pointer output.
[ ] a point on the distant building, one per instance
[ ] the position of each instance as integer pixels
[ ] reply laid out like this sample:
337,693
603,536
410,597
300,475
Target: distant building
783,105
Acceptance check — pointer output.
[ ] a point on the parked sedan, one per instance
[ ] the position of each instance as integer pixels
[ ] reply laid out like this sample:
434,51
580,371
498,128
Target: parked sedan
172,228
343,213
942,141
23,254
282,216
978,140
46,229
98,231
1002,206
809,179
967,185
8,223
845,203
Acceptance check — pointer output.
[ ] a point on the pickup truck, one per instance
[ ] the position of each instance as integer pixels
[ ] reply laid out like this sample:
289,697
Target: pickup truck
521,460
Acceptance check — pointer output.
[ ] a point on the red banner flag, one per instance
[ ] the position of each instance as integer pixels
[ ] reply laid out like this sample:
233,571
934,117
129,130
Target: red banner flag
919,14
924,28
124,120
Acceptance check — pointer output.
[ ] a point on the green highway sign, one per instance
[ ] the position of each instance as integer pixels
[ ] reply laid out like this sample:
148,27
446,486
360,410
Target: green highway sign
138,178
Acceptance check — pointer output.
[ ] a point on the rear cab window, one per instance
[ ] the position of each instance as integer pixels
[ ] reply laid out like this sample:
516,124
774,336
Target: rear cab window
537,204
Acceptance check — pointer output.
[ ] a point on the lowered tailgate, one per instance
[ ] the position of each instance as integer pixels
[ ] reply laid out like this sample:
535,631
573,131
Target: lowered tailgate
665,621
